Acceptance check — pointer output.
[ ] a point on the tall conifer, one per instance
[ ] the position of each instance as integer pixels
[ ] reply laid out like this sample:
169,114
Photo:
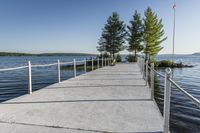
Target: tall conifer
153,34
113,35
135,34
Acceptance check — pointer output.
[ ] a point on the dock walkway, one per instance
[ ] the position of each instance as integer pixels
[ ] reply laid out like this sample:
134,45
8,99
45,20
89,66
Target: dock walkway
108,100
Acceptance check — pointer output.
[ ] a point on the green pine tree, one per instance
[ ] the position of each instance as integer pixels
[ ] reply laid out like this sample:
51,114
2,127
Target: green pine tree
135,34
153,34
113,35
102,46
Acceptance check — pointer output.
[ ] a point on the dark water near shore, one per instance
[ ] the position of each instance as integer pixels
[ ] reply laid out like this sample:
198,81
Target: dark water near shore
185,117
15,83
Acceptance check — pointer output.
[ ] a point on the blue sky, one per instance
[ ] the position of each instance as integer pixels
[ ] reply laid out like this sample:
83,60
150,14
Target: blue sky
75,25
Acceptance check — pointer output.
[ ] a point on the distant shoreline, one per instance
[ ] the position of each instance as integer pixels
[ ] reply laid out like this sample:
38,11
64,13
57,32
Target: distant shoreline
45,54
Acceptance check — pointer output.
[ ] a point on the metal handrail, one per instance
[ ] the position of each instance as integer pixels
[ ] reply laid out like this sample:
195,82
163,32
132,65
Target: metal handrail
158,73
14,68
64,63
193,99
45,65
167,89
58,63
81,61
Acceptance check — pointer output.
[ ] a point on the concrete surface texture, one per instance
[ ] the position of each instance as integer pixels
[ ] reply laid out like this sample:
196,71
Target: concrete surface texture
111,99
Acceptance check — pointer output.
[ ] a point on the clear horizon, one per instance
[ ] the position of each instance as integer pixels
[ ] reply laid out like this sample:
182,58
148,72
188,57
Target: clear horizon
52,26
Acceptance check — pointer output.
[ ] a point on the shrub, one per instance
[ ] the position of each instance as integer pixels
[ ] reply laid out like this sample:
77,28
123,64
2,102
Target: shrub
131,58
118,58
163,63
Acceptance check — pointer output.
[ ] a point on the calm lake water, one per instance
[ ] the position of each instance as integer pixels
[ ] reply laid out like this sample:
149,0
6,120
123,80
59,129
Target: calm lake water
15,83
185,116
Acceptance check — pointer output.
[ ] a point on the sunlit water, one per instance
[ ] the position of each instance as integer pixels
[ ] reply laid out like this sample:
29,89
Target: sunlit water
185,116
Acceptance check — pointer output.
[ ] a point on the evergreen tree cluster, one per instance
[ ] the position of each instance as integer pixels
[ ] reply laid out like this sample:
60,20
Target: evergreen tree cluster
142,34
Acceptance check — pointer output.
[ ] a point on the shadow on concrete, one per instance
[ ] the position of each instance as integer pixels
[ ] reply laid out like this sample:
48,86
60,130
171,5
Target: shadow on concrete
112,74
125,79
78,101
117,71
96,86
70,128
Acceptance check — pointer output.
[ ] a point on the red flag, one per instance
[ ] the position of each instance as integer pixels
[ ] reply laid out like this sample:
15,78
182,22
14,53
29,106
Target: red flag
174,6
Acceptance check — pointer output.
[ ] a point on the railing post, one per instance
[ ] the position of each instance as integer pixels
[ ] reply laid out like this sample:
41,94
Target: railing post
85,65
167,95
29,78
140,65
74,68
102,61
106,61
146,73
98,63
143,64
58,70
138,61
152,81
92,64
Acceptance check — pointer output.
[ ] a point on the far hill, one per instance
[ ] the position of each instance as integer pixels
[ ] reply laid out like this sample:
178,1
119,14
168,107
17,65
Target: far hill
15,54
44,54
66,54
198,53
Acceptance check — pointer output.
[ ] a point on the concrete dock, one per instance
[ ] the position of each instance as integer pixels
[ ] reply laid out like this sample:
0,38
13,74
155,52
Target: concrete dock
112,99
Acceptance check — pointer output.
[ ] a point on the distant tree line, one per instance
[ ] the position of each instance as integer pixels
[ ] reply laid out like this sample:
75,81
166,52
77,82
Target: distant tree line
142,34
45,54
14,54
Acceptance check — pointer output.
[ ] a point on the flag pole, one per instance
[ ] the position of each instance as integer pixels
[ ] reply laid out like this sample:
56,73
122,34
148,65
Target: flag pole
174,27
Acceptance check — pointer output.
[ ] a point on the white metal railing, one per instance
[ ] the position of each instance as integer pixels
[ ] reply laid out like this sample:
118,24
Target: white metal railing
145,69
10,69
107,62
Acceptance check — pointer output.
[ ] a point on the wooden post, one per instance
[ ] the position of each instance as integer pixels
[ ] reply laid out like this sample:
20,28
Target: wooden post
85,65
102,61
58,71
143,64
139,64
98,63
167,95
29,78
152,81
74,68
146,79
92,64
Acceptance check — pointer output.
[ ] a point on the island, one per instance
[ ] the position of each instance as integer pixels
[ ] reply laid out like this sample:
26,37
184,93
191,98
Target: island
167,63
